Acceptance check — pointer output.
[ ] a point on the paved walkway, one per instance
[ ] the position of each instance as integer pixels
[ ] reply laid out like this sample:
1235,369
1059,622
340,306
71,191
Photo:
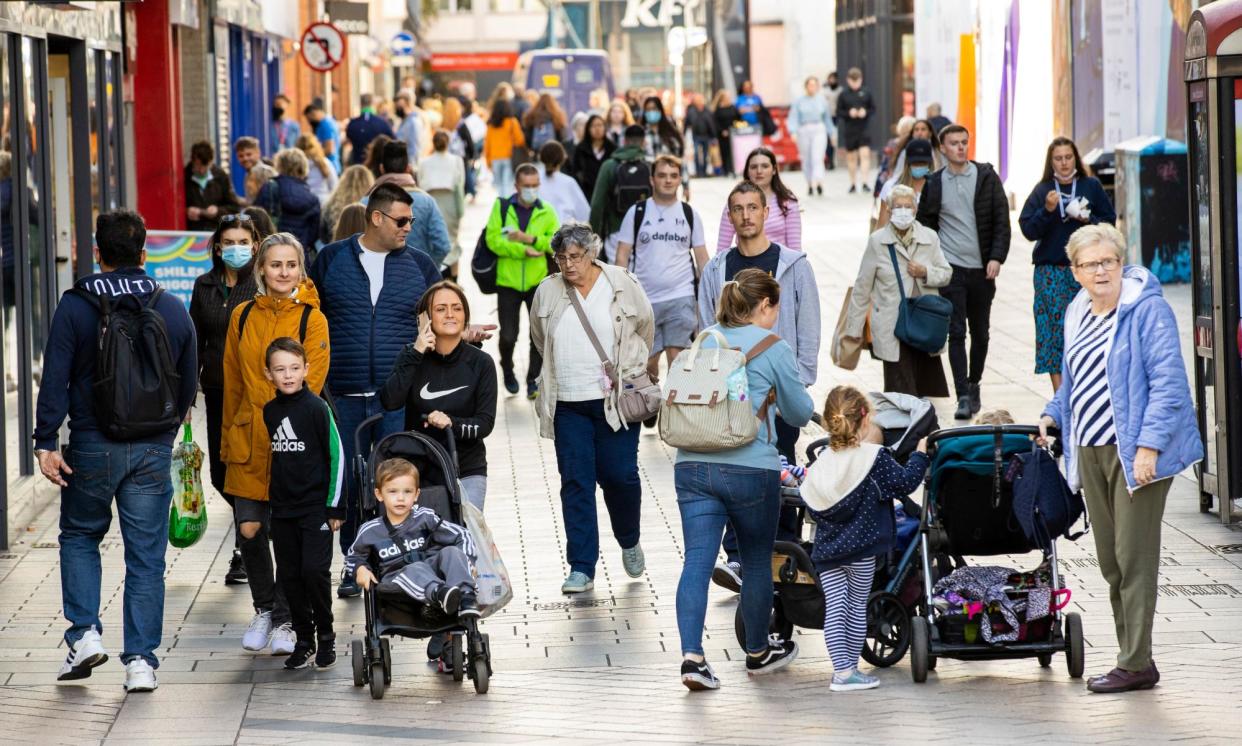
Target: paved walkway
602,667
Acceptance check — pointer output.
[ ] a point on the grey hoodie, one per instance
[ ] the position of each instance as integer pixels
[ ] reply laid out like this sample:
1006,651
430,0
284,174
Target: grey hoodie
798,322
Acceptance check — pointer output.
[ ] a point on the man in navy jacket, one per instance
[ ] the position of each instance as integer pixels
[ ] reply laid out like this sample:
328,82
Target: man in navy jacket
94,469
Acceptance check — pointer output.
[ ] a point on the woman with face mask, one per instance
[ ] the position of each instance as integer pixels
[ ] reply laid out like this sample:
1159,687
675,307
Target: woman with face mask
913,249
1065,199
916,163
228,284
662,138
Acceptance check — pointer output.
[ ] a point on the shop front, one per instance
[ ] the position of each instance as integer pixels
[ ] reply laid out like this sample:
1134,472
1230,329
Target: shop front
62,161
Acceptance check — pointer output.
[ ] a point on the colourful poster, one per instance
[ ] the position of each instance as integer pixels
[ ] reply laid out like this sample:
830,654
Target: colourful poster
176,258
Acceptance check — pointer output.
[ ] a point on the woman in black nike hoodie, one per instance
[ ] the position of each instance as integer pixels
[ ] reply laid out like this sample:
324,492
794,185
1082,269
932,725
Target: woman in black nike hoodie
449,382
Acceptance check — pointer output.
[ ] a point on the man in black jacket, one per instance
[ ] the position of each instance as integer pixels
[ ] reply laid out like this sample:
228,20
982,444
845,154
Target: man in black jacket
208,190
965,203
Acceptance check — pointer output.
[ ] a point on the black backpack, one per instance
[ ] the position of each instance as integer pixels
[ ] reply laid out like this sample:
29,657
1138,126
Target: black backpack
136,379
632,184
483,263
640,209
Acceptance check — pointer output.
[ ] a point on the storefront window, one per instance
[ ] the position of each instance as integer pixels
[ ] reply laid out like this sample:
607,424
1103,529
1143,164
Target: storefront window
94,115
8,254
112,125
33,79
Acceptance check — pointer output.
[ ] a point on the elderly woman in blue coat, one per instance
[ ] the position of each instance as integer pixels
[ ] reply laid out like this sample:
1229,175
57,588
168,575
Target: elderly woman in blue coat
1128,424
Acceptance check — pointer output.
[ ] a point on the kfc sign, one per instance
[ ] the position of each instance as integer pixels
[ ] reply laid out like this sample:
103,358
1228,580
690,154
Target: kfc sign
643,12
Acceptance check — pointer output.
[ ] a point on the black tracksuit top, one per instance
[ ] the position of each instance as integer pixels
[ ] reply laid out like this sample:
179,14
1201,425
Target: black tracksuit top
308,461
461,384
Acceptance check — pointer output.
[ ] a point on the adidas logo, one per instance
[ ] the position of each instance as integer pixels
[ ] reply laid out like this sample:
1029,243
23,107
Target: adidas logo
285,440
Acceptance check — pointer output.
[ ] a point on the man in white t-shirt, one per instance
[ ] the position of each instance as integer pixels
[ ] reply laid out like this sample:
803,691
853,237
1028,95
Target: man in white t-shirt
662,242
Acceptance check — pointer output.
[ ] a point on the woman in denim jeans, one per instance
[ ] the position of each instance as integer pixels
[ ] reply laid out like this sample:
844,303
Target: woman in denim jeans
741,485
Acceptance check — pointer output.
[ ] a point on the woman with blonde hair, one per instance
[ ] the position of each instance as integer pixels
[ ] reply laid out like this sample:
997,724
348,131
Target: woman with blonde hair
618,118
257,178
321,176
355,183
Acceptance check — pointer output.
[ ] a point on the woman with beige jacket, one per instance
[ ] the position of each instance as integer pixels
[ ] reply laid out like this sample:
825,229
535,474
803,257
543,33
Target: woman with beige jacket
578,405
923,269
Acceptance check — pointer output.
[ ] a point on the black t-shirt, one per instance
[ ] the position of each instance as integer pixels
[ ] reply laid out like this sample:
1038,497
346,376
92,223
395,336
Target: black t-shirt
768,261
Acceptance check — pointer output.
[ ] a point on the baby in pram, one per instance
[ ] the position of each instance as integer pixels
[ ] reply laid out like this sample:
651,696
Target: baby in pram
427,558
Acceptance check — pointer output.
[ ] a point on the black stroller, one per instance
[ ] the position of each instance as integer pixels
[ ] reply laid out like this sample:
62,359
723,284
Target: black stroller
798,599
968,510
394,614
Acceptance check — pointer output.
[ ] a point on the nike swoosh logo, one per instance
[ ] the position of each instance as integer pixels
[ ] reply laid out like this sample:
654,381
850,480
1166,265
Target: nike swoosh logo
427,393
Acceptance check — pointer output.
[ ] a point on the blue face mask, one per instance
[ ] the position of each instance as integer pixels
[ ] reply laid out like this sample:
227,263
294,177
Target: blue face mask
652,117
237,256
919,172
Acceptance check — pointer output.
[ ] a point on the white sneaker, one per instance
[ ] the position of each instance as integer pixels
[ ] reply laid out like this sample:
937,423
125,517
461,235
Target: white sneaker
139,676
85,654
259,633
283,639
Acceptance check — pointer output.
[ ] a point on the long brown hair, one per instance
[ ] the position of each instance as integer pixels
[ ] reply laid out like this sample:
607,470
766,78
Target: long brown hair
546,110
742,295
1078,164
783,195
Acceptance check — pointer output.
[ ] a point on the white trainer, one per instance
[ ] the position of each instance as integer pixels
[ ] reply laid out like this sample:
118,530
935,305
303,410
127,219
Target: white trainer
283,639
85,654
139,676
259,633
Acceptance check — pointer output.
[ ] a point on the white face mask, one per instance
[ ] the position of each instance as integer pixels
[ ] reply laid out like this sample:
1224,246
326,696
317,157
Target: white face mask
529,194
902,218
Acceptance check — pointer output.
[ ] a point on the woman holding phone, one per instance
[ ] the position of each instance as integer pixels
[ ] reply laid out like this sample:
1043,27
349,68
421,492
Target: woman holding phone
445,382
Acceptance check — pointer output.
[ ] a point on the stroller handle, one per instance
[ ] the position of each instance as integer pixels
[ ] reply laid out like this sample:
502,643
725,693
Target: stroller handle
996,431
364,426
451,439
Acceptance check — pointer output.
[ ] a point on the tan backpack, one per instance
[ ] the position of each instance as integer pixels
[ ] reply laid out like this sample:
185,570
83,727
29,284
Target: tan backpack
700,414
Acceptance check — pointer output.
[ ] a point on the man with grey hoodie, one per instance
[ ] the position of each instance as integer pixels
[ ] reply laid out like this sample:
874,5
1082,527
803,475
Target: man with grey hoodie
797,323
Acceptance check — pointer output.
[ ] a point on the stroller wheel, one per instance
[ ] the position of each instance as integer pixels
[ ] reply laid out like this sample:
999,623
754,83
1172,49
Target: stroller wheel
778,624
481,675
888,630
1075,655
456,658
386,659
377,680
920,645
358,659
1045,660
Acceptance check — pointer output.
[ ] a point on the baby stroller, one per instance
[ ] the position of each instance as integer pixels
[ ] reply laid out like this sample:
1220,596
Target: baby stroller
798,599
393,613
969,511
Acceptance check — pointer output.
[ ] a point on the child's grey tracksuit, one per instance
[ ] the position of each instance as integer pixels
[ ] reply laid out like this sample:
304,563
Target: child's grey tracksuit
416,556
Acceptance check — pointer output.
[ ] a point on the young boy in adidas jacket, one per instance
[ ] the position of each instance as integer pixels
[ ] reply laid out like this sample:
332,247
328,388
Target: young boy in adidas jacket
307,475
427,558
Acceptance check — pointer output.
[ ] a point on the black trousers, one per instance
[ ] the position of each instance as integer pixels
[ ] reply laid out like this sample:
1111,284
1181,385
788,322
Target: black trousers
509,306
830,153
726,154
303,549
971,293
787,528
213,400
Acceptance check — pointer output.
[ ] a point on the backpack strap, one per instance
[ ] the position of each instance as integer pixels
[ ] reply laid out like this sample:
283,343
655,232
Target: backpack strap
241,321
154,297
306,313
762,347
640,210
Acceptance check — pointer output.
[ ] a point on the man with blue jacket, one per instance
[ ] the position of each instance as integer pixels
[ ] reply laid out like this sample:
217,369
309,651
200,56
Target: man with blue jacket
797,322
94,468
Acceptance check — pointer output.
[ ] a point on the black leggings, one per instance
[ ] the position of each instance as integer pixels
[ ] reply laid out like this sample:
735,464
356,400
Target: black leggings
509,305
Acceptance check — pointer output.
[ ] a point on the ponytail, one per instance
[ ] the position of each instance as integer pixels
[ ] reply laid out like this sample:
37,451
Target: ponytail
742,295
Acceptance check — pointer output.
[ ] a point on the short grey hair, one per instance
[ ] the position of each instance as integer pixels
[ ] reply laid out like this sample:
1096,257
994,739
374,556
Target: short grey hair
1091,235
901,190
575,233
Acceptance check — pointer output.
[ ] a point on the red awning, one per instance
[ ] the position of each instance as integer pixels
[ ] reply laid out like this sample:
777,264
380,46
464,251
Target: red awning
473,61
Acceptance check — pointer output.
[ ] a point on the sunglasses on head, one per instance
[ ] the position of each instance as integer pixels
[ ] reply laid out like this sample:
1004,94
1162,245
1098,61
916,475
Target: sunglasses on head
239,217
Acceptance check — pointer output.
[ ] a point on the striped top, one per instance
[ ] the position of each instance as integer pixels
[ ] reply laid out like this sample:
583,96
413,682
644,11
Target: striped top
1090,403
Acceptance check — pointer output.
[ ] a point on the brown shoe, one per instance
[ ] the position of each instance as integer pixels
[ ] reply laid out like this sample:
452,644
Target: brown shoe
1119,680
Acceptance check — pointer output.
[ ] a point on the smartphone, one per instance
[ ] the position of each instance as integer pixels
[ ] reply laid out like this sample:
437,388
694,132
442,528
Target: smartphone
507,229
424,321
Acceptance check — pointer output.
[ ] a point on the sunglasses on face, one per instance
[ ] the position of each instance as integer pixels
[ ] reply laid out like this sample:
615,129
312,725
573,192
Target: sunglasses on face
401,221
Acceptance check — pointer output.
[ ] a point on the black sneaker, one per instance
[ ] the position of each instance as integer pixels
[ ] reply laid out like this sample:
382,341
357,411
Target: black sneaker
532,390
326,656
780,653
468,606
698,676
853,189
301,656
652,421
348,588
866,188
511,384
975,403
820,190
237,570
447,598
964,405
810,191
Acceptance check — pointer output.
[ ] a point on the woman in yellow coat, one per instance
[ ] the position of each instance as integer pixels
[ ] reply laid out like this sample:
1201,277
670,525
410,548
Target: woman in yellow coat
286,304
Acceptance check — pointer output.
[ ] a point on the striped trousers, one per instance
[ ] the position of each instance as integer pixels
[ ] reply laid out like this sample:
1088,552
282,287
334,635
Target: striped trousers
449,566
846,589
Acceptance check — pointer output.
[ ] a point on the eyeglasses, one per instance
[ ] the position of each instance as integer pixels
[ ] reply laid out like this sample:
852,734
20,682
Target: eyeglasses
567,259
401,221
1108,265
239,217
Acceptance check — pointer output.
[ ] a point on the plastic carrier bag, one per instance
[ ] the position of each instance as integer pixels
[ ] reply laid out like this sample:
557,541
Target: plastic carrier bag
187,516
494,588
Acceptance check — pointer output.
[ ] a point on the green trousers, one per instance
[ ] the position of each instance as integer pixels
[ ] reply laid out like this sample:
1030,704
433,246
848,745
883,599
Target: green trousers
1127,541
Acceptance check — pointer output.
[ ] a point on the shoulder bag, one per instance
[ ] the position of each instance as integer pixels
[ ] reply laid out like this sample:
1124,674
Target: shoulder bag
922,322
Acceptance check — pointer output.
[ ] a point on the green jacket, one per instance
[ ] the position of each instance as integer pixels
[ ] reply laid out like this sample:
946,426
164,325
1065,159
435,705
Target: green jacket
514,269
605,220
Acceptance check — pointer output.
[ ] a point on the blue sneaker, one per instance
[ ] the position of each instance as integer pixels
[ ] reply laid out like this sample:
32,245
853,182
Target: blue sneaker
577,582
852,681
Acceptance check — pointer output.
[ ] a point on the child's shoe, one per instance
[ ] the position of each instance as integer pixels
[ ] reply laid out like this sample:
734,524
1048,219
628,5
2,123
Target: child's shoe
283,640
301,656
852,680
448,598
325,657
469,605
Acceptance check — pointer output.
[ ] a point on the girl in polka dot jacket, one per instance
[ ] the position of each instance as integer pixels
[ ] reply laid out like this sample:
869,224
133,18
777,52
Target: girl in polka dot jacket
849,491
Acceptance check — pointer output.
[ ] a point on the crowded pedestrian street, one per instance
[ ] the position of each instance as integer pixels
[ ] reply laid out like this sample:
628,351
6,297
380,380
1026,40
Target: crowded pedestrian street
596,667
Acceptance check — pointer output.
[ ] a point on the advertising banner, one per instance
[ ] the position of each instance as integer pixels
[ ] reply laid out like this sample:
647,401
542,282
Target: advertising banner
176,258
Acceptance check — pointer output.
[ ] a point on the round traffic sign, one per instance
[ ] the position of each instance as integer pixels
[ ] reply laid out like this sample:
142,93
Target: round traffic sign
402,44
323,46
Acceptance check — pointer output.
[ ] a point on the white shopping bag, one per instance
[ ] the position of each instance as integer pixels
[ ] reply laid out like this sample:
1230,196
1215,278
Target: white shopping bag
495,590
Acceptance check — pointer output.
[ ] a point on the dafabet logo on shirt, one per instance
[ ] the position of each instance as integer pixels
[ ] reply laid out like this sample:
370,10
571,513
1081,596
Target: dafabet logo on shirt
285,440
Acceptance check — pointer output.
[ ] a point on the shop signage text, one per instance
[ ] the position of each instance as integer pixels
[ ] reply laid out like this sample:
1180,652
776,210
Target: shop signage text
350,17
643,12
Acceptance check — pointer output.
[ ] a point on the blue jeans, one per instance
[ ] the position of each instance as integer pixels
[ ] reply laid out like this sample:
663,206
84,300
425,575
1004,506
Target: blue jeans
707,495
139,477
351,411
702,161
589,452
788,527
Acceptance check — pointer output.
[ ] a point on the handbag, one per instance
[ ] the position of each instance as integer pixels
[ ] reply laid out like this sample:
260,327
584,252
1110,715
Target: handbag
1043,503
922,322
847,350
640,397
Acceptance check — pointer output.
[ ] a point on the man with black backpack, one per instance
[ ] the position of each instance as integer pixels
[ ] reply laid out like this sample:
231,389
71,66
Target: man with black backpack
662,242
125,404
624,180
